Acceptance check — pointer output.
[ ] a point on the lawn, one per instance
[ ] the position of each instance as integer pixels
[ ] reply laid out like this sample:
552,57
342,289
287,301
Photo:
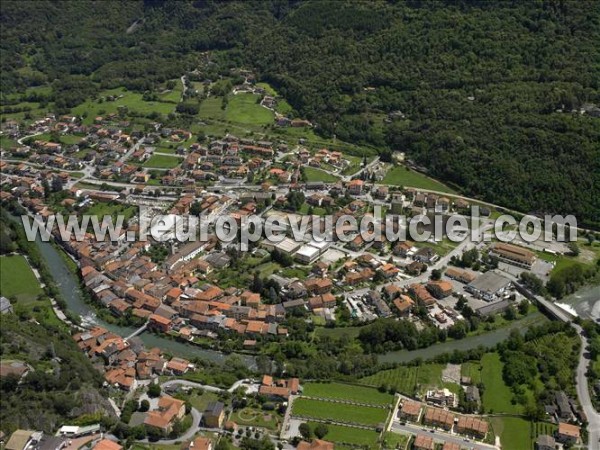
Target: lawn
102,209
200,402
341,391
348,435
316,210
497,395
364,415
17,279
338,332
403,176
395,440
313,174
254,417
519,434
162,162
472,370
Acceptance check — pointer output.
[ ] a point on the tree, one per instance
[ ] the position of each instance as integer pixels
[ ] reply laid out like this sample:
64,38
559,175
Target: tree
524,307
154,390
144,405
305,430
436,274
321,430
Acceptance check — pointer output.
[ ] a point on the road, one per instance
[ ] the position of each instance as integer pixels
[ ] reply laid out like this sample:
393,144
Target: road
187,436
583,393
206,387
440,436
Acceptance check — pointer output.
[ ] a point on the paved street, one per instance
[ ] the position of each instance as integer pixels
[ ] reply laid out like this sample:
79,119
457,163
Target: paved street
440,436
583,393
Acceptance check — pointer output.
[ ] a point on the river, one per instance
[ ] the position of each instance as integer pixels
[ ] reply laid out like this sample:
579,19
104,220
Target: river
68,285
486,340
586,302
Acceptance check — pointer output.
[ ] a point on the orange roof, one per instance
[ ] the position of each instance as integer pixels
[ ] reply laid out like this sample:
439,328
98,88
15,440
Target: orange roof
267,380
316,444
567,429
107,444
159,319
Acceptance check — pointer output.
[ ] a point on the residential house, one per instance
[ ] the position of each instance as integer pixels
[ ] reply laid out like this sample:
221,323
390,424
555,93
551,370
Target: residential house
423,442
472,426
438,417
545,442
214,415
168,411
316,444
410,411
567,433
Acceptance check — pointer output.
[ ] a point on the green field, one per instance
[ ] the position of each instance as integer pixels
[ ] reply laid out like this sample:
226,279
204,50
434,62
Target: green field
254,417
472,370
313,174
339,412
200,402
102,209
519,434
133,101
162,162
245,109
402,176
497,395
210,108
338,332
17,279
348,435
408,380
341,391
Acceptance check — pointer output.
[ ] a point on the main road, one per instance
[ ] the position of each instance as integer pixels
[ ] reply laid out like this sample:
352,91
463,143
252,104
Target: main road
583,392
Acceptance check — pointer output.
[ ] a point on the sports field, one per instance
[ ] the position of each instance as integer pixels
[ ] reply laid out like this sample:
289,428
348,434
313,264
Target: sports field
162,162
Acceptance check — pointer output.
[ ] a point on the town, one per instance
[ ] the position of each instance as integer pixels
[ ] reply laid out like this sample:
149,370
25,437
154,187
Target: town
210,295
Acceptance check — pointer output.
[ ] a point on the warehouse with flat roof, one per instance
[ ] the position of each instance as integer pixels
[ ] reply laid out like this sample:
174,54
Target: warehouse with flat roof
490,286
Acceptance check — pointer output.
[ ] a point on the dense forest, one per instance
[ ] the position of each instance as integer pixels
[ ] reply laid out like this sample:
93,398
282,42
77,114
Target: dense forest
486,95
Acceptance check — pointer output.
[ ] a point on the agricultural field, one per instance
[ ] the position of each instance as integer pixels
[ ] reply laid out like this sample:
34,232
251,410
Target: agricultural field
348,435
17,279
162,162
408,380
313,174
364,415
350,392
403,176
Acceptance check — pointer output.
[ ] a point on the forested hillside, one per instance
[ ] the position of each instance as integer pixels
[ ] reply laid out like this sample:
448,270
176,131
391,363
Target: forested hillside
486,89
